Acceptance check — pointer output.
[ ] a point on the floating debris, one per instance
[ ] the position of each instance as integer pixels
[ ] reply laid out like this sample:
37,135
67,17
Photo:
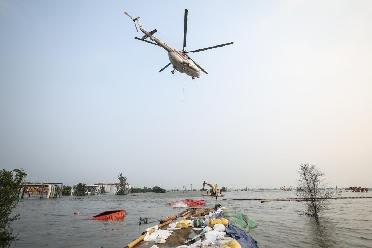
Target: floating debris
188,203
111,215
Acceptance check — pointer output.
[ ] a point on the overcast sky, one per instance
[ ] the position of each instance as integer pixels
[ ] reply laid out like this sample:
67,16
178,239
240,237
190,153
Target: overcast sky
81,100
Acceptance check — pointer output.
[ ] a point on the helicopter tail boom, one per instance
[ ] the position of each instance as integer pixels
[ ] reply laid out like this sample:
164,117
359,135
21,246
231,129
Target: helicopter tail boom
139,26
135,20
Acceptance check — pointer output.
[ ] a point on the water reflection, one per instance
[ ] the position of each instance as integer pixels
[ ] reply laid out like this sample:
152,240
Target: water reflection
322,231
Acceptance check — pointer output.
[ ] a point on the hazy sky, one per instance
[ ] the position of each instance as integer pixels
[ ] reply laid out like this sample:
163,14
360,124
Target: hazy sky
81,100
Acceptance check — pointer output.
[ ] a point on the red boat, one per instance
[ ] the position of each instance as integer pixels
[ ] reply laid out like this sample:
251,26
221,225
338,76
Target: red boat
194,203
111,215
188,203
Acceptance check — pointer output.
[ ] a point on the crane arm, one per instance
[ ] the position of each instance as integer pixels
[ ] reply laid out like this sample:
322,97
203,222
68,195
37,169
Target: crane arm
208,184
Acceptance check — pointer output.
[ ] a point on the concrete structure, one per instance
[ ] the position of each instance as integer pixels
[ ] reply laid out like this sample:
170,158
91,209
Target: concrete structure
109,188
41,190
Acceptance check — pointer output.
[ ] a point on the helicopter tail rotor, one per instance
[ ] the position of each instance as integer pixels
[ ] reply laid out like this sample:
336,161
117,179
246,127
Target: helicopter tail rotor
135,20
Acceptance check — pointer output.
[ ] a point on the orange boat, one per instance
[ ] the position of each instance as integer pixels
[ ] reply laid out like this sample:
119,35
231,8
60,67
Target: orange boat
111,215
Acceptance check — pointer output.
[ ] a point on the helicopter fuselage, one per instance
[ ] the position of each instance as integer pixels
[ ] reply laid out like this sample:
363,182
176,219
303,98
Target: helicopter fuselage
180,61
183,64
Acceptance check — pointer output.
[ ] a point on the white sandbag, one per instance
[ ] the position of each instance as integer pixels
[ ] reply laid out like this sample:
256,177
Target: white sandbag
159,236
211,237
219,228
172,226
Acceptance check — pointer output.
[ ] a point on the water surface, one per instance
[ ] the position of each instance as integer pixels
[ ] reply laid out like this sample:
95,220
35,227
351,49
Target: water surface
52,222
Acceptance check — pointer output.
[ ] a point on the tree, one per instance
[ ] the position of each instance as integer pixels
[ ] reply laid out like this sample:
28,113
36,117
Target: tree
312,190
66,190
121,187
10,189
157,189
102,190
136,190
80,189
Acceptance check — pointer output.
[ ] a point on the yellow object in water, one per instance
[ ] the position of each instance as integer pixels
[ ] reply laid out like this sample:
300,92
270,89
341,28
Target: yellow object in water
231,244
222,221
183,224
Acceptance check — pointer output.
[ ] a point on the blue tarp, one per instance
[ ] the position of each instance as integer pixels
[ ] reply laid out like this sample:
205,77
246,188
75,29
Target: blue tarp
245,240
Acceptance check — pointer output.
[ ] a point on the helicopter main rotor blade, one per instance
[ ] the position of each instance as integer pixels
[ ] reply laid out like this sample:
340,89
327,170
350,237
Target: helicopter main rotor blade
199,66
162,69
185,29
146,41
212,47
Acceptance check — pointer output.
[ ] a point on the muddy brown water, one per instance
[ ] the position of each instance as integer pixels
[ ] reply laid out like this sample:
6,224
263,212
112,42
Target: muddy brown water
52,222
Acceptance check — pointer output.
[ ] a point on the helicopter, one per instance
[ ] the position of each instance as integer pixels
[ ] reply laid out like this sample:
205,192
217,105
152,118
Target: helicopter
180,59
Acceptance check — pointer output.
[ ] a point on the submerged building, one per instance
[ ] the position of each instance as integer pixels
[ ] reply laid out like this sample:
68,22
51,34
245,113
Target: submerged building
110,188
41,190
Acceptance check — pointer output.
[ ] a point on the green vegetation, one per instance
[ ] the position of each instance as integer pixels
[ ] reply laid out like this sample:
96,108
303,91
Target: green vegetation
58,192
155,189
122,187
10,188
310,188
102,190
140,190
66,190
80,189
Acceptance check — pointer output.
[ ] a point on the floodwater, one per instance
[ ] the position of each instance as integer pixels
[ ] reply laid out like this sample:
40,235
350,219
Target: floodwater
52,222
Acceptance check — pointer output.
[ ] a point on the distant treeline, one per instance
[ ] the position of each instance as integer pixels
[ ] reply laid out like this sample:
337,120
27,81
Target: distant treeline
155,189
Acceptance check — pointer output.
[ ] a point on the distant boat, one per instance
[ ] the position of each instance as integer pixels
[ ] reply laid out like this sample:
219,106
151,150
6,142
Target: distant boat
188,203
111,215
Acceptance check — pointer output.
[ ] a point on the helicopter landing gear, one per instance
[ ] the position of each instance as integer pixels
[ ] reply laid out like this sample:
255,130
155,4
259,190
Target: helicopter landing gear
173,71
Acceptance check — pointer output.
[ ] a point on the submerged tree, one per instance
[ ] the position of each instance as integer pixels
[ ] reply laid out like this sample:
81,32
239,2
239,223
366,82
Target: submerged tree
312,190
102,190
66,190
80,189
157,189
10,188
122,186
